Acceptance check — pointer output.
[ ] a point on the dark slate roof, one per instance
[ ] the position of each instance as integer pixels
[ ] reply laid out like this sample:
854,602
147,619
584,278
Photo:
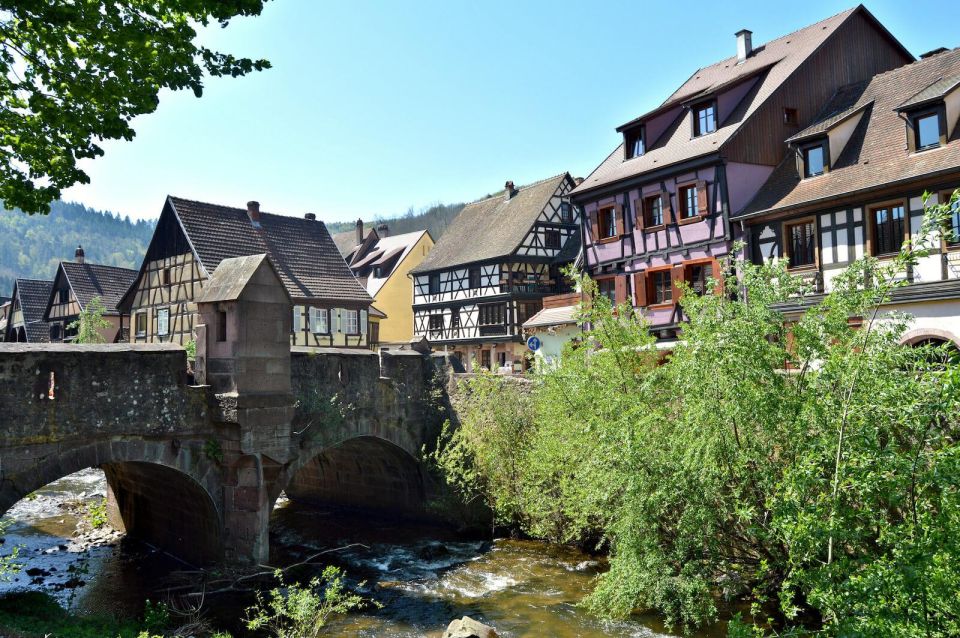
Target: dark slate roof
844,104
95,280
37,332
934,92
34,295
771,63
302,250
875,155
492,227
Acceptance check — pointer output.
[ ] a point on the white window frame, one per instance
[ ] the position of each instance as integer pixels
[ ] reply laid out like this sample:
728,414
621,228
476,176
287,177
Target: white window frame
136,331
163,322
319,322
351,322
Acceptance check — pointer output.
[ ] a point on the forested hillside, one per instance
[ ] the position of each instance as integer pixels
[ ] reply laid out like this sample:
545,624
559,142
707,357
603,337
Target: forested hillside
32,245
434,218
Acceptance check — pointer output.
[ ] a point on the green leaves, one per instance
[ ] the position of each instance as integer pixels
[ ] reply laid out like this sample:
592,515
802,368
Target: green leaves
72,74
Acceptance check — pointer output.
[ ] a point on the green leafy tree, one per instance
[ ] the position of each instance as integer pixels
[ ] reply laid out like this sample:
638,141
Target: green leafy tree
75,73
90,323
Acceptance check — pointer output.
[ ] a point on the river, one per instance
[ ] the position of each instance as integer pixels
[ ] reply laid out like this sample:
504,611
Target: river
423,575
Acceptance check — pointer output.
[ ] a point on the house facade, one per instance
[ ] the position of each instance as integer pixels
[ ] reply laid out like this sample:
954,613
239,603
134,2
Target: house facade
657,211
491,269
382,263
75,286
852,185
192,238
25,323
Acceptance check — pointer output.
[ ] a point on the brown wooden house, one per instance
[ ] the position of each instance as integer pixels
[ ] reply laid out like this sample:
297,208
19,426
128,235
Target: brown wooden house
192,238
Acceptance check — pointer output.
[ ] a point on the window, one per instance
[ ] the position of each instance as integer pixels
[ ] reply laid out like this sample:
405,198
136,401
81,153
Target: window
814,161
491,314
351,322
953,221
704,119
475,277
221,326
662,287
454,317
635,144
653,211
374,333
790,116
435,284
566,213
689,202
800,244
485,359
436,323
140,327
551,239
63,295
319,321
55,332
927,130
608,288
163,322
166,276
378,272
607,222
297,318
888,229
699,276
526,310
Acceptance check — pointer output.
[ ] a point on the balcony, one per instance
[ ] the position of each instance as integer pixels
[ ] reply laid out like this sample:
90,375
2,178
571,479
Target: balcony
493,330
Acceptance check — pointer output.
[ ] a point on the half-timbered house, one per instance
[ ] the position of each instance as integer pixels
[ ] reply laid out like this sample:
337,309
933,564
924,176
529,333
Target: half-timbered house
192,238
852,184
382,263
490,270
25,323
76,284
657,211
4,313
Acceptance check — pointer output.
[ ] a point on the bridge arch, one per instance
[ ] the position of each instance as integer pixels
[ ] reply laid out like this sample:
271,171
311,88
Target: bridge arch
365,472
163,494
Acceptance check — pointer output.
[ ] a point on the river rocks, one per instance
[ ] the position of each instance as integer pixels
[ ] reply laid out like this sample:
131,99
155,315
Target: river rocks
467,627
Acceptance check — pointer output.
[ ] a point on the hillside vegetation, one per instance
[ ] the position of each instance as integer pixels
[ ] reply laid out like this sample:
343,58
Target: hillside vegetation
435,218
31,246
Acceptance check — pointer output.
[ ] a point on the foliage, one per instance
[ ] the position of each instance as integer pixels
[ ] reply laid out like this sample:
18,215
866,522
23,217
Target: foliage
156,616
806,463
32,246
90,322
36,614
8,561
97,513
296,611
435,219
213,450
73,74
191,348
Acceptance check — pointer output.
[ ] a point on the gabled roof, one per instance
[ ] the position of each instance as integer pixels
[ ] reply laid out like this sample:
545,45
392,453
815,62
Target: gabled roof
95,280
844,104
936,91
302,251
33,295
232,277
392,248
875,155
563,315
771,64
491,228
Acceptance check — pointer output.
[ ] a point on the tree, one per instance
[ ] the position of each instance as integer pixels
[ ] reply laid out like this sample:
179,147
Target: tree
90,323
75,73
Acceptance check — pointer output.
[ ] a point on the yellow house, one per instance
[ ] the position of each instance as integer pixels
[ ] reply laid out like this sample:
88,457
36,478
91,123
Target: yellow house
382,263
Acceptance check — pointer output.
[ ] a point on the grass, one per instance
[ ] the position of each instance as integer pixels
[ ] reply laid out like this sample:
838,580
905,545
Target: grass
36,615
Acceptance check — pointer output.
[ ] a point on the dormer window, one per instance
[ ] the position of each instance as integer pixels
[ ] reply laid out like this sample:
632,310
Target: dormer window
927,130
704,119
636,144
814,159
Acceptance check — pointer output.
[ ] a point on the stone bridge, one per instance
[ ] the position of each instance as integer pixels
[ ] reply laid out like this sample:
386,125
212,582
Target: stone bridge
196,469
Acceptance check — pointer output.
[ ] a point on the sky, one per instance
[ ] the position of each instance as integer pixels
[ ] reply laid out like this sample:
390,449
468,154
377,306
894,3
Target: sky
373,107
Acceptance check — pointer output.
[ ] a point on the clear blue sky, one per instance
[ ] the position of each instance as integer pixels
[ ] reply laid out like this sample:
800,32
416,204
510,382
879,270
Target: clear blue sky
372,107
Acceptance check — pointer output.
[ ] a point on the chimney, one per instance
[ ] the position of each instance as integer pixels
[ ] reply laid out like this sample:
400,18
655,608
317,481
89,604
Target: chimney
311,216
253,212
577,180
383,230
930,54
359,231
78,255
509,190
744,45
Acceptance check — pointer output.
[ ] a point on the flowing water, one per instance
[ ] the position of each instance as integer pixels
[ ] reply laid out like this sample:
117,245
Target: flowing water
423,575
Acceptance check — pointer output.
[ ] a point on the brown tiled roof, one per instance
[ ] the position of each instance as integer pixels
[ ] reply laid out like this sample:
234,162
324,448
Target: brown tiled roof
876,154
844,104
346,241
772,62
492,227
934,92
302,250
95,280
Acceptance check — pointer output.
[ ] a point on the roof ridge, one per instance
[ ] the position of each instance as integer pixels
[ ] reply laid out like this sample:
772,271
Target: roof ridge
244,210
916,62
499,193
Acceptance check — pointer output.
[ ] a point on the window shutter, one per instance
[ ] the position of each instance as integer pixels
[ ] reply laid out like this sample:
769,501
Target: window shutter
639,212
335,314
297,310
620,289
620,215
640,288
676,276
666,207
718,276
363,322
703,203
595,224
312,317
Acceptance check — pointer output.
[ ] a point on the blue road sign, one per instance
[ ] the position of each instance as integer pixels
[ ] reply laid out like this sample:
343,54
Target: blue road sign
533,343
